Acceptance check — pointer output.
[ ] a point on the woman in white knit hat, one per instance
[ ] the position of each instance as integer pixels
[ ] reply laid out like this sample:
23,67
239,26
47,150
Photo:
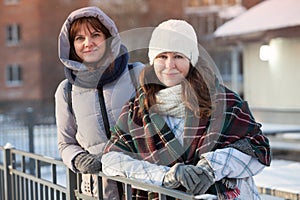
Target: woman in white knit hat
184,129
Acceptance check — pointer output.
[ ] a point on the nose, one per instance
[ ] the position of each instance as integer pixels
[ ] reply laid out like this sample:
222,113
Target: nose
88,41
170,63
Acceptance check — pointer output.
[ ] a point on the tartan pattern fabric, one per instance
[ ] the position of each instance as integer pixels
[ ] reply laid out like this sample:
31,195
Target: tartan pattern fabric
176,125
149,138
240,167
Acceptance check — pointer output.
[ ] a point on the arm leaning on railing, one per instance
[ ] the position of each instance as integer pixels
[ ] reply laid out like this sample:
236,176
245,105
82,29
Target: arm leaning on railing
120,164
142,175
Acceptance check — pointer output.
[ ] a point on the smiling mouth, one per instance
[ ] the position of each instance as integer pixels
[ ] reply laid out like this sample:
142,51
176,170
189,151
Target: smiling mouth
170,74
91,51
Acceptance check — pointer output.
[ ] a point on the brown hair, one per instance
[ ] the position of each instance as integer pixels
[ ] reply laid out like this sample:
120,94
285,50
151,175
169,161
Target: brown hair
75,27
197,89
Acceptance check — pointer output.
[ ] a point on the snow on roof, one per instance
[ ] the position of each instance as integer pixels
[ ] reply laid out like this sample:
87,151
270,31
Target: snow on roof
268,15
232,11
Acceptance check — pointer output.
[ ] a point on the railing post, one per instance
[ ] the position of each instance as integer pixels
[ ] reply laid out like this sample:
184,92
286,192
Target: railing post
30,124
71,185
7,176
100,187
128,191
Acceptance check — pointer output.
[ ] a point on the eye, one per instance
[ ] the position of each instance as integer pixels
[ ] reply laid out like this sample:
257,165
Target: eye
97,35
178,56
162,56
79,38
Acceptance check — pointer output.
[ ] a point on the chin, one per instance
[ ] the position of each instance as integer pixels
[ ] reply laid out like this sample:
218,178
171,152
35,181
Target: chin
89,60
171,84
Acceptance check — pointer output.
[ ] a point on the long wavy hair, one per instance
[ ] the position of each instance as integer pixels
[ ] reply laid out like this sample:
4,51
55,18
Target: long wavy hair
198,88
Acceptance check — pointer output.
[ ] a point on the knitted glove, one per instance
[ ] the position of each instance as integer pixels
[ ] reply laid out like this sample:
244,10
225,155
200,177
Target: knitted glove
185,175
206,177
87,163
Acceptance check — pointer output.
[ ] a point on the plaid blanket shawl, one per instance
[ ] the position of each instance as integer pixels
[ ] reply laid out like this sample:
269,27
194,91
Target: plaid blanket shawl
149,138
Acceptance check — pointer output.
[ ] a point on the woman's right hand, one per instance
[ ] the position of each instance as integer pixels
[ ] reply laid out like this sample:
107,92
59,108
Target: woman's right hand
181,174
88,163
194,178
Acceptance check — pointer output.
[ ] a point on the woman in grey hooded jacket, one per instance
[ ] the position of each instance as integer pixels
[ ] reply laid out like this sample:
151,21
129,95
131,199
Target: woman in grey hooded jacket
97,73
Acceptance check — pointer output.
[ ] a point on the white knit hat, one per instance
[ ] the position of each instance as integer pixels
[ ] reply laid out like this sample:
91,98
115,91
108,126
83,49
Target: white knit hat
174,36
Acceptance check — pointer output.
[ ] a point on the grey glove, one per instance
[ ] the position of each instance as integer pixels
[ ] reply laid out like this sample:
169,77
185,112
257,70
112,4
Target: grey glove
185,175
206,178
87,163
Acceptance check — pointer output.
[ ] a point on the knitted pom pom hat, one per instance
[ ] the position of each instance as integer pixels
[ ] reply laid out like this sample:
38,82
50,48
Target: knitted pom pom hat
174,36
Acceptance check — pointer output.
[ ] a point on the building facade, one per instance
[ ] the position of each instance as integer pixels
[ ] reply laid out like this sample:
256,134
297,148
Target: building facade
268,37
29,68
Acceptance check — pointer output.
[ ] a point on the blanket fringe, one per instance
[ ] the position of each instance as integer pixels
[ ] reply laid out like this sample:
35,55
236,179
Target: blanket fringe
229,195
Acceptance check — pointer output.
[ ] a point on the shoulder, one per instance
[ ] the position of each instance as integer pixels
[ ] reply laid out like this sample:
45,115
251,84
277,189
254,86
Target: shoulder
63,84
132,73
130,112
62,88
136,67
129,107
229,96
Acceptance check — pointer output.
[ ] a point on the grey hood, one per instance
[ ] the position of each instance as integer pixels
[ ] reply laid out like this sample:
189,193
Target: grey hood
63,40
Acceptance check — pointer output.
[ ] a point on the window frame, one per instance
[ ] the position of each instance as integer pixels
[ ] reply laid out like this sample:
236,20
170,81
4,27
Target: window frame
11,2
13,34
13,75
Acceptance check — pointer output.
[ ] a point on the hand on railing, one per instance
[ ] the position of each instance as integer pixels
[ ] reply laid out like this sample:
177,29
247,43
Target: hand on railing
87,163
195,179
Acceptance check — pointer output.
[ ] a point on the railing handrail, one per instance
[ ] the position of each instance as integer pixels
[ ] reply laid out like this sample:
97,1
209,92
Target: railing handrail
42,158
71,188
9,172
150,187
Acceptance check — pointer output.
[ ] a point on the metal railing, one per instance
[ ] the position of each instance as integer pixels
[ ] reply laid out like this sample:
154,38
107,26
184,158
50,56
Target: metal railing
24,174
163,193
28,176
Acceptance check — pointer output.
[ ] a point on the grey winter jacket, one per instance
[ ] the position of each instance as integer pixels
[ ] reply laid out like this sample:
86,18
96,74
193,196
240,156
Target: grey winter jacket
84,131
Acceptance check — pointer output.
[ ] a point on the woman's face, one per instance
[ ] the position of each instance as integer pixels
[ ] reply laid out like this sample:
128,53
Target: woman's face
171,68
89,44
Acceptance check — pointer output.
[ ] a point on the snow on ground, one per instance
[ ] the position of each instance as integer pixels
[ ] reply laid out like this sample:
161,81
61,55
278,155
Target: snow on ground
281,175
268,197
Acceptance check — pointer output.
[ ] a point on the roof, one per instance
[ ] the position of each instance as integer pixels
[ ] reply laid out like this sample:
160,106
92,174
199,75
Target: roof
267,15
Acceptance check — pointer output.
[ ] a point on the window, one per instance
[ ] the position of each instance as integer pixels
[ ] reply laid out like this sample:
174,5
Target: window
13,34
9,2
13,75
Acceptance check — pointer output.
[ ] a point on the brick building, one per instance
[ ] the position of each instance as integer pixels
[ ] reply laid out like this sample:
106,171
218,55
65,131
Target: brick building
30,69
